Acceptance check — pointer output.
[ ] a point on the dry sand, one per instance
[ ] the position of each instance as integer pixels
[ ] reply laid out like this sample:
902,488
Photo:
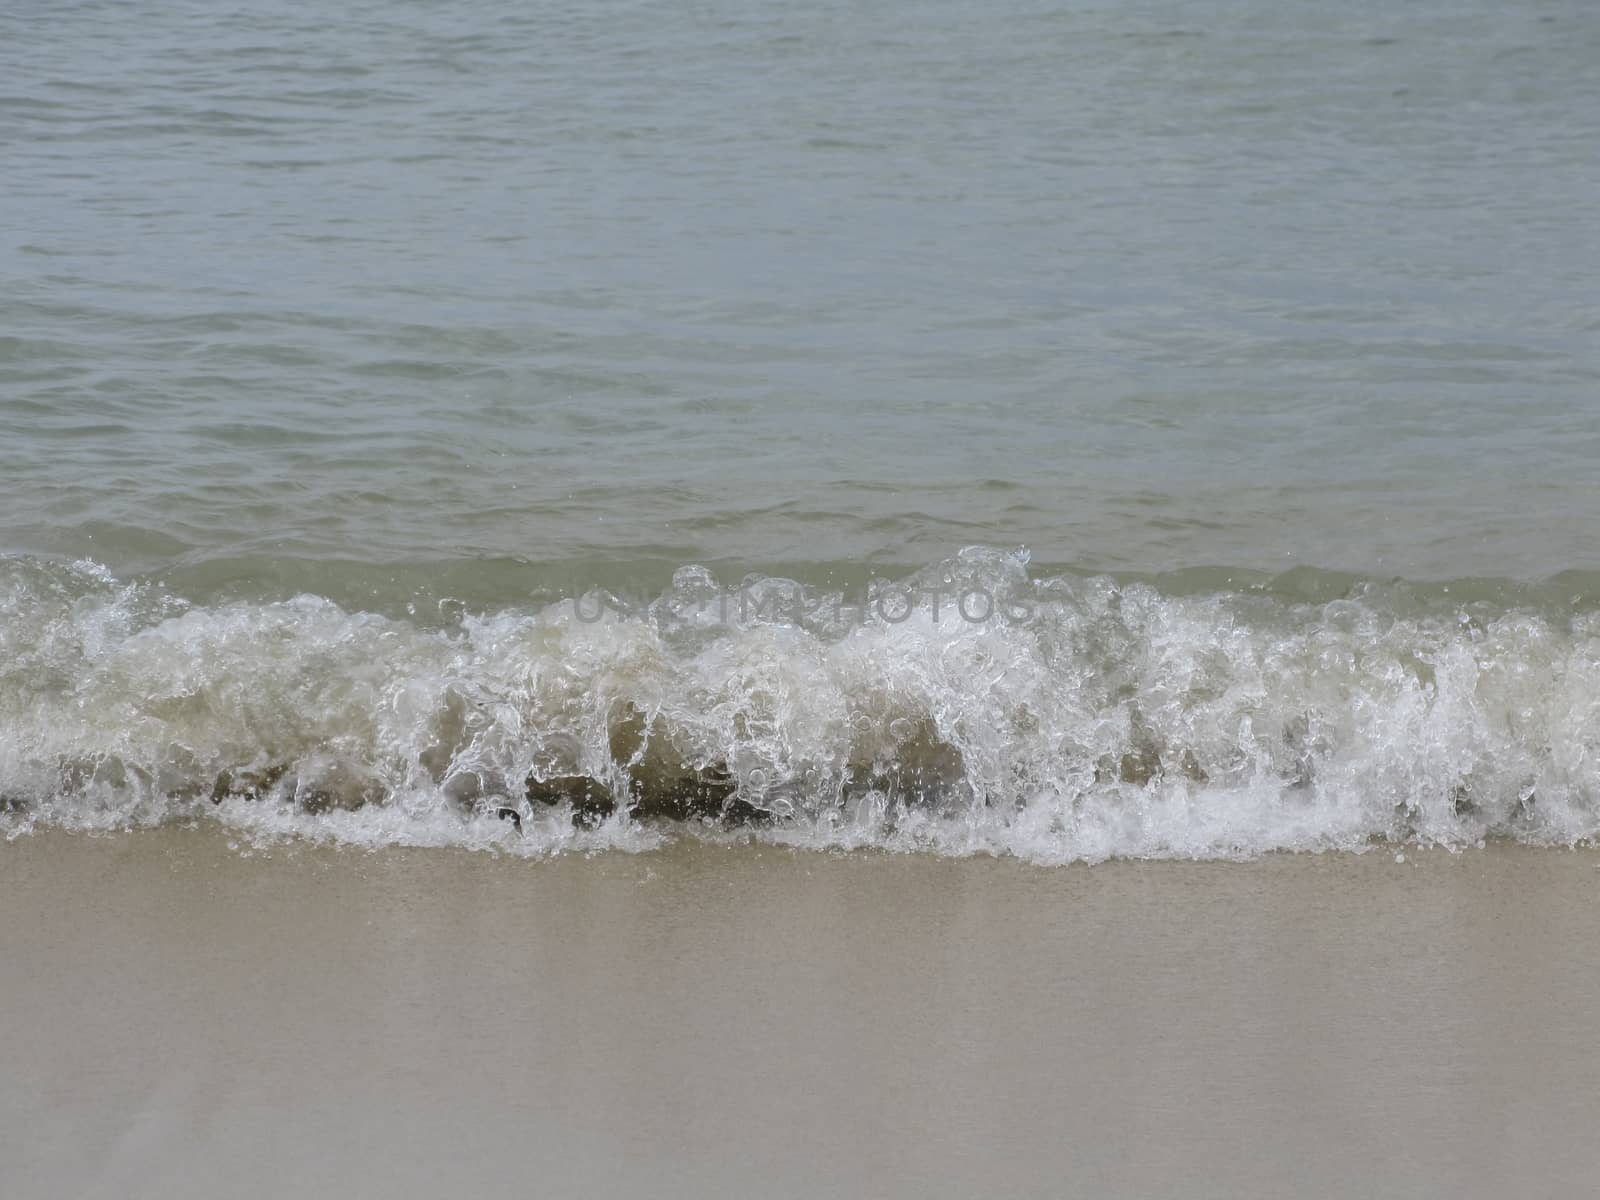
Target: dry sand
183,1020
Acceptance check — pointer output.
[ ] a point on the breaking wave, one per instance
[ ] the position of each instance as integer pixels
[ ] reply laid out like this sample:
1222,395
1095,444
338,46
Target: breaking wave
1084,718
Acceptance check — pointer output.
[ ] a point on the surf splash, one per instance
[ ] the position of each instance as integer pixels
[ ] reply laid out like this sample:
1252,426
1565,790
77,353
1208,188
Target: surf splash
1084,719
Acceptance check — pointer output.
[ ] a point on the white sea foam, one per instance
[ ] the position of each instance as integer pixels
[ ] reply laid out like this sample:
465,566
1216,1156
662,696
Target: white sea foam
1109,720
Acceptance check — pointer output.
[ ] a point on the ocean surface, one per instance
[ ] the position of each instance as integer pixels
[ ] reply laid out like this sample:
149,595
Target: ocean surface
1068,430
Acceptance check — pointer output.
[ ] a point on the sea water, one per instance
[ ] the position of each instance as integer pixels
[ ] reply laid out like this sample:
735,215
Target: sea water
1067,430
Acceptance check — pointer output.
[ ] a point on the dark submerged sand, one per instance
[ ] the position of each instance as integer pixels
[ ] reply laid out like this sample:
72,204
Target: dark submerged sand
184,1021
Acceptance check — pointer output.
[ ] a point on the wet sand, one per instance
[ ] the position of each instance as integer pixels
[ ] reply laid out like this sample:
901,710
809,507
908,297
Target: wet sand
181,1020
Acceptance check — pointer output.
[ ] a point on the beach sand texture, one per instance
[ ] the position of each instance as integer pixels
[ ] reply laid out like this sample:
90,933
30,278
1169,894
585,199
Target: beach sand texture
190,1019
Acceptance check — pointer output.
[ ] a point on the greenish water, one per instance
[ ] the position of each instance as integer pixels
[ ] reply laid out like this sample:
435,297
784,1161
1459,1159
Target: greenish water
1140,286
337,342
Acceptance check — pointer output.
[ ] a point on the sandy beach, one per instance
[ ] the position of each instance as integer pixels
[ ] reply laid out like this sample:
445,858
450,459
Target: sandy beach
821,601
191,1019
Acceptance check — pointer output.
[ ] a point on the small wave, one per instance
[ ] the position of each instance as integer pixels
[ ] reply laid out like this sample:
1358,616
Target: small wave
1083,718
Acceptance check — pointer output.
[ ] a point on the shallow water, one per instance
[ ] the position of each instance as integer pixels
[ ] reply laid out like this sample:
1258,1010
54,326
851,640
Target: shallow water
1140,286
337,347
